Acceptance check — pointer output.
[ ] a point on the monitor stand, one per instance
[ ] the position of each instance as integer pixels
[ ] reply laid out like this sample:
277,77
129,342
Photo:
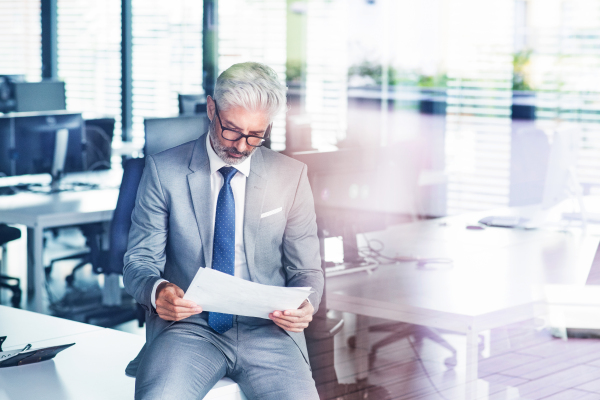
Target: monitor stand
353,262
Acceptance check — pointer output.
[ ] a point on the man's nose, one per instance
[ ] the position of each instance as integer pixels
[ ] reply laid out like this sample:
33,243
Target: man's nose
241,145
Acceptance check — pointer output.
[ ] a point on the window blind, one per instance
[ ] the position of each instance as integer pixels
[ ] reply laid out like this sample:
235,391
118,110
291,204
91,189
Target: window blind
479,96
255,30
89,56
21,44
327,71
167,57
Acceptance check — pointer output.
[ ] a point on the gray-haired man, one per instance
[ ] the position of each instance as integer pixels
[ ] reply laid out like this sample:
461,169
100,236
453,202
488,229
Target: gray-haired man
224,202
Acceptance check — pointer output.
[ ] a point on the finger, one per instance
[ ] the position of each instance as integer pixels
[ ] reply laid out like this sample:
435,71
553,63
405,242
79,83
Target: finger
291,325
289,328
178,301
179,292
172,303
300,312
179,309
173,316
295,319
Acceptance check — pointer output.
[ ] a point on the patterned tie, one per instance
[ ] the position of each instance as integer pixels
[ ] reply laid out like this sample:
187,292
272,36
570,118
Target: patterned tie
224,243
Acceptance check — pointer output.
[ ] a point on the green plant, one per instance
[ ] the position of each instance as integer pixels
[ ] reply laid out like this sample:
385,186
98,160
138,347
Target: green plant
521,62
293,71
375,72
437,81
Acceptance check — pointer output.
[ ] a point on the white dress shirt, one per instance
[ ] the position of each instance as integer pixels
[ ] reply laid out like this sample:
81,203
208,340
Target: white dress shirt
238,186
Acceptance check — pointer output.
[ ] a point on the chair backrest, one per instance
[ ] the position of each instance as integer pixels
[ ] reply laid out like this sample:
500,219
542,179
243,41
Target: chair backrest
99,134
121,222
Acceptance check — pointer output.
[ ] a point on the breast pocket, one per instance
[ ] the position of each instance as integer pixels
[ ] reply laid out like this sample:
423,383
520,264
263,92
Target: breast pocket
272,217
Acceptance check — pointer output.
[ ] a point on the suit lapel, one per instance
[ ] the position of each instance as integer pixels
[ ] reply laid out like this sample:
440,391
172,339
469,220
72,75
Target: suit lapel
256,186
199,183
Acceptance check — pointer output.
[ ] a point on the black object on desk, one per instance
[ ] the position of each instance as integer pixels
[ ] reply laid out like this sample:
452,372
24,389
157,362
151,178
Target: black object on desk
33,356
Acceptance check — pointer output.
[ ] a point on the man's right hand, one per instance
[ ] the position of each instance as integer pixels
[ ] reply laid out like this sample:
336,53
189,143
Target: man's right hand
170,304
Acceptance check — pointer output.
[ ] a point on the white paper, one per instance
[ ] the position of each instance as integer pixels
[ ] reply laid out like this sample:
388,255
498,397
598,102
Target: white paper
219,292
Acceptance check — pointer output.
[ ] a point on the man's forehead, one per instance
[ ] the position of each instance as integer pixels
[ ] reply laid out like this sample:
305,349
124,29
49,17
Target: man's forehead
240,117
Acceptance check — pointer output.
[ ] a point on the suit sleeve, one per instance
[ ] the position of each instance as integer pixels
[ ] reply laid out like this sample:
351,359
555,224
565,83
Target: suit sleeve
145,258
301,256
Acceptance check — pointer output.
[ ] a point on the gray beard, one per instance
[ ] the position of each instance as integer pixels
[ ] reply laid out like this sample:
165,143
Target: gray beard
221,150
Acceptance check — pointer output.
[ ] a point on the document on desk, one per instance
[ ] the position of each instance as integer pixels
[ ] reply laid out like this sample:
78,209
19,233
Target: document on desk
219,292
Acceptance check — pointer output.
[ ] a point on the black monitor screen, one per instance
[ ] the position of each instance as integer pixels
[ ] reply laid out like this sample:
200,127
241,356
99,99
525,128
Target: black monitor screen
165,133
5,146
40,96
35,138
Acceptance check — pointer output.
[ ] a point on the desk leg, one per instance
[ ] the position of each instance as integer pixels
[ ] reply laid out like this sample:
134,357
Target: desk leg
39,277
362,347
471,374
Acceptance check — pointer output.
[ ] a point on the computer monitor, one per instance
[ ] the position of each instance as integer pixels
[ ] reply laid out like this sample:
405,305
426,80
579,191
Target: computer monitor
39,140
165,133
363,189
190,104
561,176
7,95
6,144
40,96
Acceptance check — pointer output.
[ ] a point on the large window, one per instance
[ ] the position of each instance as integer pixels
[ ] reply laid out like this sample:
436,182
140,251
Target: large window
167,57
20,30
89,56
255,30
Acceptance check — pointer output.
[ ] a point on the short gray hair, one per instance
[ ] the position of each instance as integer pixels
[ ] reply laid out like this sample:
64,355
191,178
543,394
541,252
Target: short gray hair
251,85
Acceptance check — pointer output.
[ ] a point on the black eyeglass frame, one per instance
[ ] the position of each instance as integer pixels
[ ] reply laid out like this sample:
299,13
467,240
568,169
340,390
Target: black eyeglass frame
241,135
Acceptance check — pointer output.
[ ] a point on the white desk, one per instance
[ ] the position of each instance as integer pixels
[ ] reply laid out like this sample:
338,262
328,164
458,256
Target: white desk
40,211
92,369
496,278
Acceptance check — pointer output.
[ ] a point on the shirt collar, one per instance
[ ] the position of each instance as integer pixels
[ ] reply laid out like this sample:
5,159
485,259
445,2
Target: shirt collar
217,163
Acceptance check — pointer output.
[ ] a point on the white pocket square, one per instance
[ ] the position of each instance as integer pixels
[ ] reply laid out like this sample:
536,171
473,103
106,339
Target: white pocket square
269,213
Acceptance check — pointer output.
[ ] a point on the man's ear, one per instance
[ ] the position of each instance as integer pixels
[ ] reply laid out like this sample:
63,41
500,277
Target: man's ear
268,130
210,108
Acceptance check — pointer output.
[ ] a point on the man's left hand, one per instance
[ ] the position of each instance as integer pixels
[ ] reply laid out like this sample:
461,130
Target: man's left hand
294,320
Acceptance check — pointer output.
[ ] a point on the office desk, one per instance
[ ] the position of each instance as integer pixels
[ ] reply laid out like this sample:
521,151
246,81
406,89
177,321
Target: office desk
92,369
496,278
40,211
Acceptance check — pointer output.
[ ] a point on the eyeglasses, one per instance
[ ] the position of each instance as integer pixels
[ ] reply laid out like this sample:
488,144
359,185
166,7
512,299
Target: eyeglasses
234,136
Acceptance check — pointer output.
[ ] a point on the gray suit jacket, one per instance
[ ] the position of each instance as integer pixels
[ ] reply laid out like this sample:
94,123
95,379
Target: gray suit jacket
171,223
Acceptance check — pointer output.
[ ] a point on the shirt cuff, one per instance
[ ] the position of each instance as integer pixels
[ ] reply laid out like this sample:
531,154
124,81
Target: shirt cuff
153,295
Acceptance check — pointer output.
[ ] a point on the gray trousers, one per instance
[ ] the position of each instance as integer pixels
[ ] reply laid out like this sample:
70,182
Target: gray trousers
186,360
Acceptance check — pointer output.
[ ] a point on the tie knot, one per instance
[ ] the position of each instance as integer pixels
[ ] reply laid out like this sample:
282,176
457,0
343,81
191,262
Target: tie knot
228,173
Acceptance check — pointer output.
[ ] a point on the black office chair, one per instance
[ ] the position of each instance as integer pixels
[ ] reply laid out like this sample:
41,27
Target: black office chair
190,104
99,134
8,234
111,261
320,344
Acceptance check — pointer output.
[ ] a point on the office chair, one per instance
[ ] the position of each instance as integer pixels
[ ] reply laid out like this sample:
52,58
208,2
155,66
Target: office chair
111,261
8,234
99,134
320,344
190,104
98,150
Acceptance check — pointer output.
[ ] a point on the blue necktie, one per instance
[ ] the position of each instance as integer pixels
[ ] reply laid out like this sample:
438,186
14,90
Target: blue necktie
224,243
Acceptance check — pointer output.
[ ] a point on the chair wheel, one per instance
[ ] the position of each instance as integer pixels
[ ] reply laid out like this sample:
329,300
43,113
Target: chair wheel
451,362
352,342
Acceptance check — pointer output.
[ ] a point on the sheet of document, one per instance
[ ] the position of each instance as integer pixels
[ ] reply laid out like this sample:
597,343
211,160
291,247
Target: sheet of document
219,292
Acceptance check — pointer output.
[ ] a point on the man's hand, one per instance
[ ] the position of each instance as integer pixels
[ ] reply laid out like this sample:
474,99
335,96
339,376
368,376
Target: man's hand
170,304
294,320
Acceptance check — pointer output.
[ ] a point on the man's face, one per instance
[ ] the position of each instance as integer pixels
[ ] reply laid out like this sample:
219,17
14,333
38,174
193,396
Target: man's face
237,119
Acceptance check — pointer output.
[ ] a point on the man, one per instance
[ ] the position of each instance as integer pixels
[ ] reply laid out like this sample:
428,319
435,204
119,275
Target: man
227,203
